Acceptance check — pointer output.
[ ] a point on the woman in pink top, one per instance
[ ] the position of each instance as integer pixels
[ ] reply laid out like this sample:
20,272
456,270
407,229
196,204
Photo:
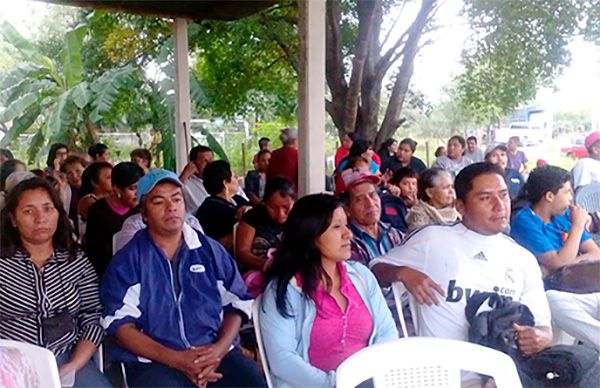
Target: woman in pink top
319,308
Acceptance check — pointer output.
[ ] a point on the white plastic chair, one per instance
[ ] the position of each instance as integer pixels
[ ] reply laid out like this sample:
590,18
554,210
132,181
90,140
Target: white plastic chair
235,228
425,362
41,359
399,290
588,197
98,358
261,349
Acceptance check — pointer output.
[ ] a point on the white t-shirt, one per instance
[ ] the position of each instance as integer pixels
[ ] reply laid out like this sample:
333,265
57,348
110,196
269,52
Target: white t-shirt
463,262
586,171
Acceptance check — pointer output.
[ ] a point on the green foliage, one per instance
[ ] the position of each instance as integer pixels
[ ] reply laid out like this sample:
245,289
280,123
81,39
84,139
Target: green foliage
516,46
243,68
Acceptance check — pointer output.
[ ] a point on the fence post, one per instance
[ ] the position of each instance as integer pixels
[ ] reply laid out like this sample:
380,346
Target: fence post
427,152
244,159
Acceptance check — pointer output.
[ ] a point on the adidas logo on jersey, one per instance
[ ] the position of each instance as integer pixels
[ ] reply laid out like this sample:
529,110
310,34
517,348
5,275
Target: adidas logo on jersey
480,256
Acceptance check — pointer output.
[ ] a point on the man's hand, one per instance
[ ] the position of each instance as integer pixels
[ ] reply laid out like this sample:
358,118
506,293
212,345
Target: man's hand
421,286
240,211
189,363
189,170
579,216
531,339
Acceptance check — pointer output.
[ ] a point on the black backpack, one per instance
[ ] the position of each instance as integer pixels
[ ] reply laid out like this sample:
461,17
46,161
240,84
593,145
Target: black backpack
555,366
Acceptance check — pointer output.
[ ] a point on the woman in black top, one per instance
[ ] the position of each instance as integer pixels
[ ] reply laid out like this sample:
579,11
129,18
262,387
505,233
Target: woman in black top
106,216
261,228
224,208
48,289
405,158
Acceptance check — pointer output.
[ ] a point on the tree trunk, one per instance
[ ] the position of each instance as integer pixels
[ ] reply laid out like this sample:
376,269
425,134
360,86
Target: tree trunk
392,120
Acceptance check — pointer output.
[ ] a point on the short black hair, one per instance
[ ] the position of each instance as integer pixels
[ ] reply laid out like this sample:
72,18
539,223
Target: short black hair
359,145
472,138
403,172
214,175
97,149
280,185
73,159
90,175
262,142
125,174
543,180
199,149
463,183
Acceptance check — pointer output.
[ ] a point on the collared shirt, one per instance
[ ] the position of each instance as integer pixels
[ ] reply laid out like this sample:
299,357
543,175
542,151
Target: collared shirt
29,294
337,334
194,193
365,248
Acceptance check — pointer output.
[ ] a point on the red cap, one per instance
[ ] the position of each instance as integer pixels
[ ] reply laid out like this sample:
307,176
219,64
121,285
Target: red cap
352,177
591,139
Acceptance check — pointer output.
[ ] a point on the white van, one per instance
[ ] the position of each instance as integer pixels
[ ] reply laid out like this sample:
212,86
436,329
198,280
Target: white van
529,133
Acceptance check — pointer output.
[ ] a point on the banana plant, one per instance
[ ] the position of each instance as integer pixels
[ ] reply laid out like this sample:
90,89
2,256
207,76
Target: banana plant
51,98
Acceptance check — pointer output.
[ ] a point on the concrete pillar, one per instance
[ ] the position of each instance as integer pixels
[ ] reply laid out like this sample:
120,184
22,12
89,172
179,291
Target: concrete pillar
182,93
311,96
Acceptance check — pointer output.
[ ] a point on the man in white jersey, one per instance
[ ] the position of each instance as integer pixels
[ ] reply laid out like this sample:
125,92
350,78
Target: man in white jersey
442,266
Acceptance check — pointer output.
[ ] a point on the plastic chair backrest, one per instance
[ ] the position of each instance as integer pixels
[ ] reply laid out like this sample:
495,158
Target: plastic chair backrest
399,290
261,348
98,358
425,362
588,197
41,359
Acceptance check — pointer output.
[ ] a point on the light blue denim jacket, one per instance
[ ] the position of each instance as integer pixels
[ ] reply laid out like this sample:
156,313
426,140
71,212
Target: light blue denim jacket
286,340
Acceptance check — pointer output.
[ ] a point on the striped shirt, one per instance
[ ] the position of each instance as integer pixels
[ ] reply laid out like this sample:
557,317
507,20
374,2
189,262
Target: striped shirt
28,295
365,248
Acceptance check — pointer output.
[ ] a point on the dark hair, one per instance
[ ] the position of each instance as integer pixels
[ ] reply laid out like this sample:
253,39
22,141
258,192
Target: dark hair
38,172
261,153
543,180
460,139
298,253
8,168
472,138
10,239
464,180
214,175
73,159
384,146
410,142
280,185
125,174
359,145
143,154
96,149
199,149
91,175
438,151
403,172
262,142
52,153
6,153
354,160
427,180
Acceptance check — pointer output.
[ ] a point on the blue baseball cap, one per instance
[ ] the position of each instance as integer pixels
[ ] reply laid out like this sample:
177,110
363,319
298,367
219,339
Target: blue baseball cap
154,177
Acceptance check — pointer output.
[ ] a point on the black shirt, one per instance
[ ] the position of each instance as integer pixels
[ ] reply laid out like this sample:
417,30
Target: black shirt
268,232
217,215
394,164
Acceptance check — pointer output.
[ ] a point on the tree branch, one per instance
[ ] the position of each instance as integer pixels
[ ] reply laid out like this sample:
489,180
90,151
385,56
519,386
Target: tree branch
334,62
366,12
392,120
287,49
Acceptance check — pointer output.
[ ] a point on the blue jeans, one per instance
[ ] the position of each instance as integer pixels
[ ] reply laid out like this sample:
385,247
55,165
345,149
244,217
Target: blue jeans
237,369
88,376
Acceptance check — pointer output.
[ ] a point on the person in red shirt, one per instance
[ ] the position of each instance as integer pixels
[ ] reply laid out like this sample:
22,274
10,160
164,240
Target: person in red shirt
263,144
284,160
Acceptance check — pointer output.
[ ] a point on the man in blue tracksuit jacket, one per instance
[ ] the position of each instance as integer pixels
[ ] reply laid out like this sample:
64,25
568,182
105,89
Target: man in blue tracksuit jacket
175,300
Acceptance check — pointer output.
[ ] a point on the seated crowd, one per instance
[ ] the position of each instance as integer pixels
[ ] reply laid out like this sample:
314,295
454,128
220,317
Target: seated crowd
166,266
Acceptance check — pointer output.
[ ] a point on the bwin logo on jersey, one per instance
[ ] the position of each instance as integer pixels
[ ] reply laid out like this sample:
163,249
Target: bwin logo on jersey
455,293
